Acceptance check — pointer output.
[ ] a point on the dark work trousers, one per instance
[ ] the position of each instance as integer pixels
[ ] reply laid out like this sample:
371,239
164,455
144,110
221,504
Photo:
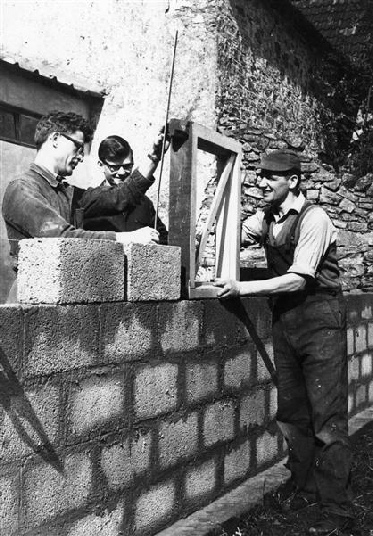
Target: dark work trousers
310,352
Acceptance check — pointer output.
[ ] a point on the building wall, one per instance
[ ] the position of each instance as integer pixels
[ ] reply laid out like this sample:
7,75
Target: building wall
123,49
119,418
279,89
245,67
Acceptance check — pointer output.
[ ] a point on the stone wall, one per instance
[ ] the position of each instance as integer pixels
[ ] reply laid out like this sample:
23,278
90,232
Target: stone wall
280,88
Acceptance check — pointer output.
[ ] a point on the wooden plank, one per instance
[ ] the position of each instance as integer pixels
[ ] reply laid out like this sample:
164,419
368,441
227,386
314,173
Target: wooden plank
215,141
180,193
227,249
206,290
214,207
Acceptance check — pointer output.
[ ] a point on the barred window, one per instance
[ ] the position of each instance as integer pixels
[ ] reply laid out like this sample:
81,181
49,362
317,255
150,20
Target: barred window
17,126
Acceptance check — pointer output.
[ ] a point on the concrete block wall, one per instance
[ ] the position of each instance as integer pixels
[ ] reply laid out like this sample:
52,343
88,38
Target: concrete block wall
128,416
360,350
119,418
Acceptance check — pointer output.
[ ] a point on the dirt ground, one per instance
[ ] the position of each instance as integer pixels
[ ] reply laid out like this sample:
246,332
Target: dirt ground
268,519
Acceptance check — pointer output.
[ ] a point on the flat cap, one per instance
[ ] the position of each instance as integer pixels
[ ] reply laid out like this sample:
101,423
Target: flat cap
280,161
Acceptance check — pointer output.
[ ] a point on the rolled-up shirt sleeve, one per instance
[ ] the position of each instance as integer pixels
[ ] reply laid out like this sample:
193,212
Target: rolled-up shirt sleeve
252,229
316,234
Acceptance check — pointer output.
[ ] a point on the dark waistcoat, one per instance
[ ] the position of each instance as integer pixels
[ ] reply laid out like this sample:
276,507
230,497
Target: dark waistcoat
280,252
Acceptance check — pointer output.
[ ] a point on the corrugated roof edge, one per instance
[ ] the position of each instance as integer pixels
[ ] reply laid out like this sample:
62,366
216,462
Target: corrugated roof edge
51,80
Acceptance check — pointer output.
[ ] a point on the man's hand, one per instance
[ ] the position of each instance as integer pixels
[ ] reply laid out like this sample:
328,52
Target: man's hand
230,288
144,236
156,152
148,165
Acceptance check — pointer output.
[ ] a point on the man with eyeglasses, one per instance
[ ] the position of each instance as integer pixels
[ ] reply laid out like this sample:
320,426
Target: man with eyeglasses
41,204
119,203
309,340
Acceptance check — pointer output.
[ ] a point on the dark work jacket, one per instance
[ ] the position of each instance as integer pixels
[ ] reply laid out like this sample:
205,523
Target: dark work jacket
109,208
280,253
38,205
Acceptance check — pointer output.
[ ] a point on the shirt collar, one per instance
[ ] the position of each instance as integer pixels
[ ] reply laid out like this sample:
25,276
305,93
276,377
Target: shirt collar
53,179
295,205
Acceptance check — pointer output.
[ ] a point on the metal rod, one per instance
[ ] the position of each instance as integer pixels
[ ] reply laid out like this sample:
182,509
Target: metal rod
165,129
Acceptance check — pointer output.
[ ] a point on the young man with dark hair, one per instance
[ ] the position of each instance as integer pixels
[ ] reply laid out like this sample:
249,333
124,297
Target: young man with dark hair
309,338
40,204
126,207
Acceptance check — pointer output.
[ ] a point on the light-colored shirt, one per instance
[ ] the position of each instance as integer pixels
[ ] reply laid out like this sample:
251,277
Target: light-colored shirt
316,234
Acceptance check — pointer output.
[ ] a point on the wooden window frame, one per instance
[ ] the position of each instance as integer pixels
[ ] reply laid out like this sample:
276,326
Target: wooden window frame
187,139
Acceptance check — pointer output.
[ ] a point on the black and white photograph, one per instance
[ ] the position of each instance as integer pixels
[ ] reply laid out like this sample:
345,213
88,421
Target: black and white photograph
186,268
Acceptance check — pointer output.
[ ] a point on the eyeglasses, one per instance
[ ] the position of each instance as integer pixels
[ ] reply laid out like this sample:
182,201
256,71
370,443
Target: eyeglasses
114,168
79,145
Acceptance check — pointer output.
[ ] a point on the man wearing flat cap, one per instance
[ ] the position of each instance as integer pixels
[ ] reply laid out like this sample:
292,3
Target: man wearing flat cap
309,339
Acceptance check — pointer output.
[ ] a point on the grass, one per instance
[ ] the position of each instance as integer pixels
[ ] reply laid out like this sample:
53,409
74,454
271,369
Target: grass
267,519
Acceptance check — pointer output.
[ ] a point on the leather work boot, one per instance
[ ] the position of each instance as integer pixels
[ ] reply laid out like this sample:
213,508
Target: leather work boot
330,524
297,501
288,497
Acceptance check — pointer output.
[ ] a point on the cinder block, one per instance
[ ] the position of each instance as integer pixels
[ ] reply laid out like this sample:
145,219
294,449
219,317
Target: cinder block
123,461
361,395
266,448
353,368
177,440
366,365
154,505
366,313
219,422
350,341
256,321
128,331
370,334
264,322
370,392
201,480
179,325
155,390
201,381
30,422
272,403
8,504
108,523
49,491
220,323
237,463
11,338
60,338
253,409
351,403
237,370
263,374
361,338
95,402
70,270
153,272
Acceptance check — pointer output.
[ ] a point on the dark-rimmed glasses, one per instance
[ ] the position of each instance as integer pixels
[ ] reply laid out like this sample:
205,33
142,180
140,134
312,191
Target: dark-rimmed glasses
114,168
79,145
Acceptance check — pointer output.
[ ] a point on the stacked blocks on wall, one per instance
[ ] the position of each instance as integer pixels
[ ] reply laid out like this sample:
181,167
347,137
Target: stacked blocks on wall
153,272
70,270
